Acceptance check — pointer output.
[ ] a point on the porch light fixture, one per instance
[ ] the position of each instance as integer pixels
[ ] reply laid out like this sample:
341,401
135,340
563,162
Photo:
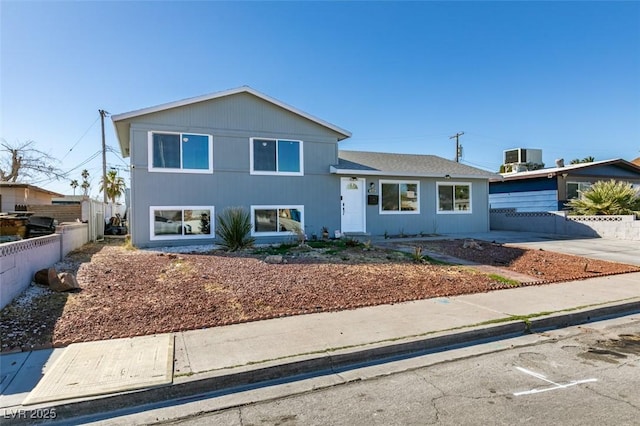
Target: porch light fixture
447,176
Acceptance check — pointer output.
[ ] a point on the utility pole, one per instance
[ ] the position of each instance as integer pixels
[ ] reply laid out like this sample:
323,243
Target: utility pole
457,136
103,114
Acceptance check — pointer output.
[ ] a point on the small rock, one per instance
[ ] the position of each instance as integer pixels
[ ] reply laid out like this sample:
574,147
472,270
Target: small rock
274,259
472,244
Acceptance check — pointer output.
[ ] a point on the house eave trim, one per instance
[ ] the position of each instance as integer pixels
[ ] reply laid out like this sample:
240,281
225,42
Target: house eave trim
344,134
355,172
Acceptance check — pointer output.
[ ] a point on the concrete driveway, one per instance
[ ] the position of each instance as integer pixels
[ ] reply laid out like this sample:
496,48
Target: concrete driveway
624,251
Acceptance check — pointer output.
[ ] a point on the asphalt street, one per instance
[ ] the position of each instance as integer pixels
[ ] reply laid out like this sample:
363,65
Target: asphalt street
584,375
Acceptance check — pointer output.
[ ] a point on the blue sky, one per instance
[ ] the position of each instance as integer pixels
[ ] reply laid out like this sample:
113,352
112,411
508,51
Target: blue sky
403,77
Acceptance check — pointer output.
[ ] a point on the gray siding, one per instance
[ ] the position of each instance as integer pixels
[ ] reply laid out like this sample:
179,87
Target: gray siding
239,113
232,121
428,221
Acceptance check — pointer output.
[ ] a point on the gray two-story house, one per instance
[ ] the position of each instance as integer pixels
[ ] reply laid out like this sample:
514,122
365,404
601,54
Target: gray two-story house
191,159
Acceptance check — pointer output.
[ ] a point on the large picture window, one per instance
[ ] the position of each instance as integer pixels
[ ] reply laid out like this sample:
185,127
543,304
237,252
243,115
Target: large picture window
454,198
399,197
170,222
274,220
184,152
276,156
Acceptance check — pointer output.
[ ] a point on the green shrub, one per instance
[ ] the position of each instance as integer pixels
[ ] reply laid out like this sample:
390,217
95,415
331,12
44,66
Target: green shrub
234,228
607,198
417,254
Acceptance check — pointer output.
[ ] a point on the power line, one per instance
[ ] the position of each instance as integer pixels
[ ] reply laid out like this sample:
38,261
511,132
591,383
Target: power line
83,135
117,153
65,175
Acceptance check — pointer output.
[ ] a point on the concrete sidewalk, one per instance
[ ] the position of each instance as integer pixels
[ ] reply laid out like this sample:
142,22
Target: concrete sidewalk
129,372
238,355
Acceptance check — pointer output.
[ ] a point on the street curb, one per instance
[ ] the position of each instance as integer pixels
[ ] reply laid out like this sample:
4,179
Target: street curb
244,378
568,319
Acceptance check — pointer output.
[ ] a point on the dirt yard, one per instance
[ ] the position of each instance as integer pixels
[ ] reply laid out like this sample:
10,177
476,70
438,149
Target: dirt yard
137,292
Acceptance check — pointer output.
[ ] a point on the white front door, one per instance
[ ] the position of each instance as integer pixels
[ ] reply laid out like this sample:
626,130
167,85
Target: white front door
352,204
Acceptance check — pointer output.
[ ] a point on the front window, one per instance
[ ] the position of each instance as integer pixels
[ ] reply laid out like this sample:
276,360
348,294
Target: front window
276,156
184,152
181,222
274,220
574,189
399,197
454,198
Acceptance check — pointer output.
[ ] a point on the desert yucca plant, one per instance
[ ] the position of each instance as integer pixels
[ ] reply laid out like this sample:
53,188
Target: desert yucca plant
607,198
234,228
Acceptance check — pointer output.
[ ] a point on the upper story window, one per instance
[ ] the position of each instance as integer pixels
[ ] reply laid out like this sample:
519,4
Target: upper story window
399,197
180,152
454,197
276,156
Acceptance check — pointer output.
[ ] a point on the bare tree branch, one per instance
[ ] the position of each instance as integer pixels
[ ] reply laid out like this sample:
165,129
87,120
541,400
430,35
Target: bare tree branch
21,161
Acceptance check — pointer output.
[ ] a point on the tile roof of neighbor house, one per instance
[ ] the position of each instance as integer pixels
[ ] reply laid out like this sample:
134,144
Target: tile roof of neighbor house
550,172
122,130
408,165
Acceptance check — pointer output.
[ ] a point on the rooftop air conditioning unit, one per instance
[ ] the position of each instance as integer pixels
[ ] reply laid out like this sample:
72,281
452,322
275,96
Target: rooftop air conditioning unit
522,156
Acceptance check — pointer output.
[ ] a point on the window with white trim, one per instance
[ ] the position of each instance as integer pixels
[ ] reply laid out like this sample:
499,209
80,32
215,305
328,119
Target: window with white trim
276,156
174,222
277,220
399,197
575,189
180,152
454,197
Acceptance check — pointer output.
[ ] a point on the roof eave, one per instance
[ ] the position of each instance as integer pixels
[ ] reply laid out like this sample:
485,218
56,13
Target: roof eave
29,186
342,133
122,133
357,172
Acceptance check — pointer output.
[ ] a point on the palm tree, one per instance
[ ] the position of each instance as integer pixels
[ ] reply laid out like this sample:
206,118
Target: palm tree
85,182
589,159
74,185
607,198
114,185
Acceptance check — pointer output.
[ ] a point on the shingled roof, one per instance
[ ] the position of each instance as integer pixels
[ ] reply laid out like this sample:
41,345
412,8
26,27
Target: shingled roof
408,165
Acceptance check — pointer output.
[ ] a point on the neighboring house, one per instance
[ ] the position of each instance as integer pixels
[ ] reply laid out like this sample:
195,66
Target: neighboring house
17,196
191,159
636,161
550,189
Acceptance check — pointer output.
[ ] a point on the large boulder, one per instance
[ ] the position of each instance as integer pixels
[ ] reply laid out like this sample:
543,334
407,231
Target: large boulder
47,277
65,281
